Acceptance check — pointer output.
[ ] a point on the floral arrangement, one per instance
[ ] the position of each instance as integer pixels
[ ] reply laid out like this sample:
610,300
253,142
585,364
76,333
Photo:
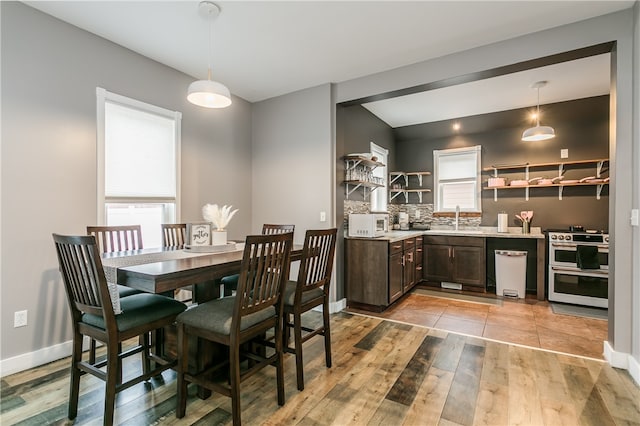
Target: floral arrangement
525,216
220,217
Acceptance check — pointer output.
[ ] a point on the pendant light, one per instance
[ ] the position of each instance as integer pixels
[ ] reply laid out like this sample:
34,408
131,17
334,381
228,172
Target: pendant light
208,93
538,133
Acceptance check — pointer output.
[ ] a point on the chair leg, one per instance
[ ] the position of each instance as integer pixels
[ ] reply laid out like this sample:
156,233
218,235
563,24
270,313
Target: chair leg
280,361
234,376
183,365
143,340
327,332
74,390
113,366
92,351
297,337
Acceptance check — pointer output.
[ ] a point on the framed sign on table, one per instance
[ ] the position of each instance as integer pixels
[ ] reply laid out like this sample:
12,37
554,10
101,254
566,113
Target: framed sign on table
199,234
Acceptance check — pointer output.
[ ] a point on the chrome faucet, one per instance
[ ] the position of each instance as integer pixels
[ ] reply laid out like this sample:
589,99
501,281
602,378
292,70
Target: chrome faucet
457,216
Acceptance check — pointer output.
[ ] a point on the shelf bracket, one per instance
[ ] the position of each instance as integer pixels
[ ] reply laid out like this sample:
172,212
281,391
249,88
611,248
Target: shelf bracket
560,188
495,172
560,170
526,193
420,183
495,194
353,190
394,195
598,191
395,178
598,173
420,194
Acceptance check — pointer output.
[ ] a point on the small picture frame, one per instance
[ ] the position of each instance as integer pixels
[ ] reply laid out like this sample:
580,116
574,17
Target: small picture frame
199,234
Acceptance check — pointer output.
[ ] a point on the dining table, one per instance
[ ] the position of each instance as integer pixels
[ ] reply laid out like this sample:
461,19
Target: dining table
163,270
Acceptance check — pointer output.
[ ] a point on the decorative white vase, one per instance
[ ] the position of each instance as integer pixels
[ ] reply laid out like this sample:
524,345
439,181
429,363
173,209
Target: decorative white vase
218,238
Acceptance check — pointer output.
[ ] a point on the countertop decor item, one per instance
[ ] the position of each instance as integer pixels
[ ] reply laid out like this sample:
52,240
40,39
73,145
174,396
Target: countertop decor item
220,217
208,93
538,133
525,216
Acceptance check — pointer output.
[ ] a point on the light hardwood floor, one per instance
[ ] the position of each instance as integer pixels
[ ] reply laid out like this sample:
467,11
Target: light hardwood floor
384,373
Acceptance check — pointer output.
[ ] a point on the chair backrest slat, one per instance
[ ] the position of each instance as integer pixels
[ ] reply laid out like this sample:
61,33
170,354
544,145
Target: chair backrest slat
316,264
174,235
117,238
270,229
263,272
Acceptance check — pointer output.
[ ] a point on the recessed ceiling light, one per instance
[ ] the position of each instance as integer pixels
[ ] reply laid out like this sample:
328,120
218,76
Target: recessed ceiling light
456,126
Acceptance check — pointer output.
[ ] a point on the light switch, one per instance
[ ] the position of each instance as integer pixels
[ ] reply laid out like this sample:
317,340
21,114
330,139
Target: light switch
323,216
634,217
564,153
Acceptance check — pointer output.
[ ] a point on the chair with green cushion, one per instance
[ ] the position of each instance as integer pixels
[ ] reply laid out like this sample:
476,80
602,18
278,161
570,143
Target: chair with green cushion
310,290
93,315
230,282
112,239
235,321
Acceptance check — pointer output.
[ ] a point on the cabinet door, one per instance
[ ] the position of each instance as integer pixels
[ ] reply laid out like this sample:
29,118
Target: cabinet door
468,265
419,259
395,276
409,269
437,263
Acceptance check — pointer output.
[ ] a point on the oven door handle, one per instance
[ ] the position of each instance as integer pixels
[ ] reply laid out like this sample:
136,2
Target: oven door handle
600,246
589,271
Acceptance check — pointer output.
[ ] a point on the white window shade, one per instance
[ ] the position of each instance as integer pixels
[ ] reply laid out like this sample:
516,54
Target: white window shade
140,153
457,179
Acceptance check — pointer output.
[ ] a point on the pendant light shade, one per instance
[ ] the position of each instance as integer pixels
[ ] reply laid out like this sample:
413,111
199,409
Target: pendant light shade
208,93
538,133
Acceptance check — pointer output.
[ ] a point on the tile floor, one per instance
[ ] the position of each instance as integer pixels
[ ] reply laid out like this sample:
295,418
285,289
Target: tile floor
525,322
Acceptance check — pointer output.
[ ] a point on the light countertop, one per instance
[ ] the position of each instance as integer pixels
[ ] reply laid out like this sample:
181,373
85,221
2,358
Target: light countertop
482,231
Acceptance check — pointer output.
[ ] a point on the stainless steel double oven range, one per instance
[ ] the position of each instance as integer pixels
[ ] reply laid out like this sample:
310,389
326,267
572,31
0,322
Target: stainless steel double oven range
575,279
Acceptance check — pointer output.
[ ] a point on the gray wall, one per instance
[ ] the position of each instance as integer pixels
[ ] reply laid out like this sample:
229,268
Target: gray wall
292,160
617,27
50,71
635,330
582,127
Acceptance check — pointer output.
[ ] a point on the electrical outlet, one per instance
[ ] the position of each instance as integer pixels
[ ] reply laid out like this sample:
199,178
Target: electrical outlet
564,153
19,319
323,216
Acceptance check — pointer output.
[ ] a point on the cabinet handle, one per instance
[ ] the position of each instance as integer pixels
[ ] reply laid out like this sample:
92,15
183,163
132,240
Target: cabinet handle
398,246
403,260
453,254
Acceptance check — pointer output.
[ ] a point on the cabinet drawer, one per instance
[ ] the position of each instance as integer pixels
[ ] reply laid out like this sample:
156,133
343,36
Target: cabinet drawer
454,241
409,243
395,247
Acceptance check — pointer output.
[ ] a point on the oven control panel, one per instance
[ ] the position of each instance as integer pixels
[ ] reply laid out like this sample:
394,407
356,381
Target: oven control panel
579,237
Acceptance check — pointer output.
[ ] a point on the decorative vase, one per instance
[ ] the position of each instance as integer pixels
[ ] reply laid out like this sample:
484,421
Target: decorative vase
218,237
525,227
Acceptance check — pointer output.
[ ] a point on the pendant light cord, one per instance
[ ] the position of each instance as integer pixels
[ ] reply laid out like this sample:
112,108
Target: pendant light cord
210,47
538,112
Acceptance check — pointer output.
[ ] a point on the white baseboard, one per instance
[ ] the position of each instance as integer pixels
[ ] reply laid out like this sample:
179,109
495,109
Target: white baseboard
622,360
334,307
42,356
337,306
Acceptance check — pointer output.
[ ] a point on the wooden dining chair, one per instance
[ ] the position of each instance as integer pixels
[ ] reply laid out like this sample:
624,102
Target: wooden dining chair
93,315
234,321
230,282
117,238
174,235
310,290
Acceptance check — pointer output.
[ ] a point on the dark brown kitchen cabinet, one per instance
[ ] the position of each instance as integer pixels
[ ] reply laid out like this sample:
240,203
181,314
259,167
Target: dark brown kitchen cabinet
458,260
379,272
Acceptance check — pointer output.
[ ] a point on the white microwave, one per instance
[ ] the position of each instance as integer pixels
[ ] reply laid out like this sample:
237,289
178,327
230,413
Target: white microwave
368,225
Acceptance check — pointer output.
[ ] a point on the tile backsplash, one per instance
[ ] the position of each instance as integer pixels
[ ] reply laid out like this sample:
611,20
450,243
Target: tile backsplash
423,211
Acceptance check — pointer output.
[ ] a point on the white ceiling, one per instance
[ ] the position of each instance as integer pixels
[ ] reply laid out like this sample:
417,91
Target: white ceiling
263,49
577,79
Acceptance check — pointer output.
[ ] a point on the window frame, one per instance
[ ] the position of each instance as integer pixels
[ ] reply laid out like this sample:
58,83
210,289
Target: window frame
103,96
380,193
437,154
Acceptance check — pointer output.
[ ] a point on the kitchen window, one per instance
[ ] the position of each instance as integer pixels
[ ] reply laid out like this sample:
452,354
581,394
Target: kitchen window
457,179
138,164
379,195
